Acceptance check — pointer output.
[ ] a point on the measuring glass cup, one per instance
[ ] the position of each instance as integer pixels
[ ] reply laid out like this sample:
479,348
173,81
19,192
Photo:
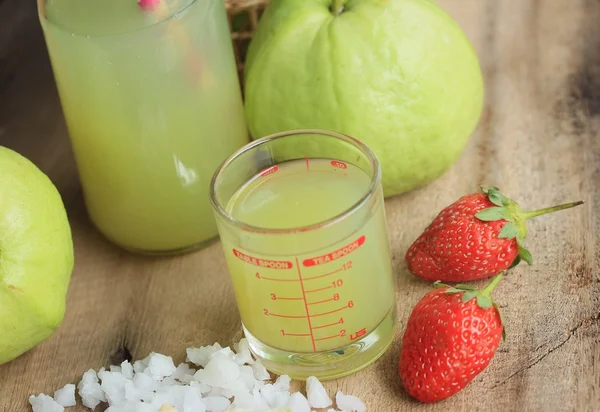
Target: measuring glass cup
302,224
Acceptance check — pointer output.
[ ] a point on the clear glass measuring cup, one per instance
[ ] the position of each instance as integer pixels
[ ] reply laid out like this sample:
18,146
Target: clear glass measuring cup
302,224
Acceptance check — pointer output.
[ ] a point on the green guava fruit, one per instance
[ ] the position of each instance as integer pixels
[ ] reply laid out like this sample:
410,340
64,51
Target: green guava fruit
400,75
36,256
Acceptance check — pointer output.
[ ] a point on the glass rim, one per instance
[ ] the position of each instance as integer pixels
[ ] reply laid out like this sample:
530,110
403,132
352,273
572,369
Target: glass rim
42,15
375,180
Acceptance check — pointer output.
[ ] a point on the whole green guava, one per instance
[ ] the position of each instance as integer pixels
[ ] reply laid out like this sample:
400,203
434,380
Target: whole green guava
400,75
36,256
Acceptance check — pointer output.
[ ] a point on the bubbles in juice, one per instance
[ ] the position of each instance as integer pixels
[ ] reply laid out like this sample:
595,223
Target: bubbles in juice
310,290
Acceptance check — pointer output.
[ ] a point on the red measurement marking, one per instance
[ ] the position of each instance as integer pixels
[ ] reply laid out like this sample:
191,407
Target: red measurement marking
330,324
269,171
326,274
296,334
331,337
332,311
312,336
321,301
338,164
318,290
358,334
307,168
309,229
376,201
337,254
265,263
245,229
278,280
278,298
285,316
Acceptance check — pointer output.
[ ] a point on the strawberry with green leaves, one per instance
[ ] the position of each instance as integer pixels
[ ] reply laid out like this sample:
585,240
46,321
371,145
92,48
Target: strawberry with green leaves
451,336
478,236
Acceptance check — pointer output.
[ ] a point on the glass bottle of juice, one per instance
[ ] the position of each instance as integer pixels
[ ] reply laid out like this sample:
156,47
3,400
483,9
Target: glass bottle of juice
152,102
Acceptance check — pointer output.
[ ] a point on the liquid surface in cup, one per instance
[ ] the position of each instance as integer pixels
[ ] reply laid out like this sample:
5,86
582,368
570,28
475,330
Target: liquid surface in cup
106,17
153,106
317,290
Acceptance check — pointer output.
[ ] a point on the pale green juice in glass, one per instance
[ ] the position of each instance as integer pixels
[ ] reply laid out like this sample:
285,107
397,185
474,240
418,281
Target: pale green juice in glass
306,246
153,106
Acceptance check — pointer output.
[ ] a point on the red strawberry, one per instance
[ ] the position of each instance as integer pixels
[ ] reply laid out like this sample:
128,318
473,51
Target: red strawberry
451,336
476,237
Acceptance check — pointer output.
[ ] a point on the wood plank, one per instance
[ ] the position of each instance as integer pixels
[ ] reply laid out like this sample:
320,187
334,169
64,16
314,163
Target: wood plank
538,140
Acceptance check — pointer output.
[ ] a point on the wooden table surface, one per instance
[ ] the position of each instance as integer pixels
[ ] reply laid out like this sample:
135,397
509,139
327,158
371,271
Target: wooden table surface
538,139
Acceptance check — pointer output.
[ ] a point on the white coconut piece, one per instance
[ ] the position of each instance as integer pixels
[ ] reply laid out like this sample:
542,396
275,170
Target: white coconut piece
184,373
242,353
275,397
215,403
260,372
225,351
219,371
171,395
260,401
200,356
234,388
144,407
127,369
44,403
142,364
65,396
89,389
298,403
160,366
244,401
247,377
124,407
170,381
144,386
192,401
316,393
349,403
131,393
113,386
204,388
283,383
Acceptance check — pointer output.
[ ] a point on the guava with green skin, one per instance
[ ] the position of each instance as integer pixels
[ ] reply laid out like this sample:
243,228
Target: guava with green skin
399,75
36,256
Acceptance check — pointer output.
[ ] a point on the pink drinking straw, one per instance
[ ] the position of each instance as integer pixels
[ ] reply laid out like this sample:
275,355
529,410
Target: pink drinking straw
196,74
148,5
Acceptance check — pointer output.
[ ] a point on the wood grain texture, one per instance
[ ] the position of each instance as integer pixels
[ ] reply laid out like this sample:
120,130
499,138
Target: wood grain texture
539,140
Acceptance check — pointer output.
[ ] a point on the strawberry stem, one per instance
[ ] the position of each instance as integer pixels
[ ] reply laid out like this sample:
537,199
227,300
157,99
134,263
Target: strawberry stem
534,213
490,287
